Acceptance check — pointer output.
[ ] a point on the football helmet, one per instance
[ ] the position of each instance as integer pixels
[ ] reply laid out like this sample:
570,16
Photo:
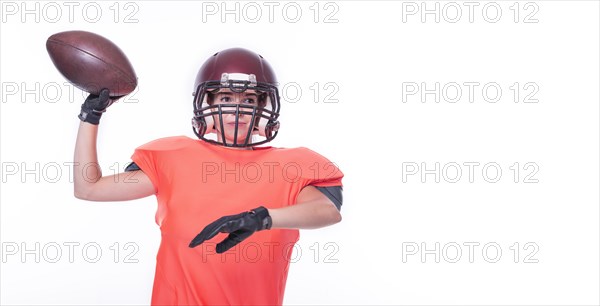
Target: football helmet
236,71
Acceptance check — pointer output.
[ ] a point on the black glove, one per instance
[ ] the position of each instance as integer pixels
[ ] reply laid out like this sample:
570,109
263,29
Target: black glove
95,105
239,226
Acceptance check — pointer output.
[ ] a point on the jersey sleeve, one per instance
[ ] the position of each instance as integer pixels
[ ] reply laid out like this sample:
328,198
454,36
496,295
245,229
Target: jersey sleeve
152,157
145,159
319,171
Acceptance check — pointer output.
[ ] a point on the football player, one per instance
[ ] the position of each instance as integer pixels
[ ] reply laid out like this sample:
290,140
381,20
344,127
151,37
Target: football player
229,209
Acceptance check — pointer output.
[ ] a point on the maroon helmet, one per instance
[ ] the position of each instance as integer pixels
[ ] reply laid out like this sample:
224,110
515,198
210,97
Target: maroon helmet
236,70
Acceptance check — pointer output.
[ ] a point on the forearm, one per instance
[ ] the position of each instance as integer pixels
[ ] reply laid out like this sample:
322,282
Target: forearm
313,210
86,170
307,215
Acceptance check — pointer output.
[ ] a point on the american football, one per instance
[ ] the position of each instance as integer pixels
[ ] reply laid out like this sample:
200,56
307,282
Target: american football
91,62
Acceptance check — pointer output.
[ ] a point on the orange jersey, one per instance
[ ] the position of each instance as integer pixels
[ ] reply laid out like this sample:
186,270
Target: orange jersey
197,183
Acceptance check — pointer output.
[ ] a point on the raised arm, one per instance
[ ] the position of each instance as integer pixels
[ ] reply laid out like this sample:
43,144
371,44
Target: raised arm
89,184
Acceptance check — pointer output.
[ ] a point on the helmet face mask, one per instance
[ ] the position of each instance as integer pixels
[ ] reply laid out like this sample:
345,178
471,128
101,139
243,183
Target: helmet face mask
236,72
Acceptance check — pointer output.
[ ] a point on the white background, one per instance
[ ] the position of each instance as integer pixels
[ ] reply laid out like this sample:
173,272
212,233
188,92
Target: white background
375,138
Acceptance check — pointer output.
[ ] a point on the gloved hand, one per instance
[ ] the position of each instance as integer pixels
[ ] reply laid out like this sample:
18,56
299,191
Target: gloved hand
239,226
95,105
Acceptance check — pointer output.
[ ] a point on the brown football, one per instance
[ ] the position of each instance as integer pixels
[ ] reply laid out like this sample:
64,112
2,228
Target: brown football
91,62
